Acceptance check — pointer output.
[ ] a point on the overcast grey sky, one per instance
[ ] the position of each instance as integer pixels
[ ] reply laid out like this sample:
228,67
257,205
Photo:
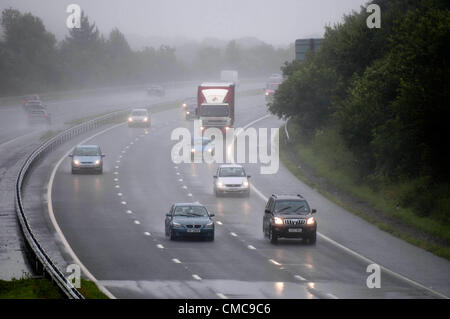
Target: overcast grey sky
277,22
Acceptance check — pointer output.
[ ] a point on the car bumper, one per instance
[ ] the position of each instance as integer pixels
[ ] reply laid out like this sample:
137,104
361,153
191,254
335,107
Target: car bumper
138,124
183,232
233,190
286,231
87,168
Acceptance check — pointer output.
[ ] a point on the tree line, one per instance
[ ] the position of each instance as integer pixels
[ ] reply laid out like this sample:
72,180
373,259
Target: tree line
32,60
386,92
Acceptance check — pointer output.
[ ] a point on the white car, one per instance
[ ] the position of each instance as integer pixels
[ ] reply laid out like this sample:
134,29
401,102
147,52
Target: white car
139,117
231,179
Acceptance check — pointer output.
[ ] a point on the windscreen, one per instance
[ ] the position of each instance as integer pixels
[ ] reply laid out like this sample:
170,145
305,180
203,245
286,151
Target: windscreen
86,151
214,110
292,207
190,211
231,172
139,113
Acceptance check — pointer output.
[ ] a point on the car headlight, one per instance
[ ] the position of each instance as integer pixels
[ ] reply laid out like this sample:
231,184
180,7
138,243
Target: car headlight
310,221
184,104
97,162
278,220
267,93
187,112
210,224
145,119
245,184
219,184
209,150
130,119
192,150
174,224
76,162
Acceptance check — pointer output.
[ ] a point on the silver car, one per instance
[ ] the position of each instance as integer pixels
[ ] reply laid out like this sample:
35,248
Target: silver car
231,179
87,158
139,117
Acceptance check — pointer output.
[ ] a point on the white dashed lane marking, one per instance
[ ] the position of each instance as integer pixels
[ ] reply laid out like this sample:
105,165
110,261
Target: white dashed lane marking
137,222
197,277
160,246
176,261
274,262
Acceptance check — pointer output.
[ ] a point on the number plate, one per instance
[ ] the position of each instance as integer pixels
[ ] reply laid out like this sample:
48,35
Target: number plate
295,230
193,230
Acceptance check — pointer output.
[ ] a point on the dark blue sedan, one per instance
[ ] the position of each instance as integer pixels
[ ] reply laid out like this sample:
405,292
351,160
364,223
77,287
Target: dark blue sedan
189,219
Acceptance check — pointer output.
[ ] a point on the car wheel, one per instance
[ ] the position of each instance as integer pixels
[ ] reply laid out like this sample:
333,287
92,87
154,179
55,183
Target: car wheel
74,171
273,236
211,238
172,235
218,194
312,239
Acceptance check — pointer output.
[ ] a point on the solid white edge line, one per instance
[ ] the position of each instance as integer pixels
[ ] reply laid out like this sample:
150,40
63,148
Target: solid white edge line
348,250
55,224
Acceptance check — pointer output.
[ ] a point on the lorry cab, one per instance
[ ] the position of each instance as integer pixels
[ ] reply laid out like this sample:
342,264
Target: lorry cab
215,104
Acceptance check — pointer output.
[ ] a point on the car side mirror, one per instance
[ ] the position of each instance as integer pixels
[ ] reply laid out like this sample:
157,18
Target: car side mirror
70,155
313,211
266,211
168,215
248,176
103,155
212,215
215,176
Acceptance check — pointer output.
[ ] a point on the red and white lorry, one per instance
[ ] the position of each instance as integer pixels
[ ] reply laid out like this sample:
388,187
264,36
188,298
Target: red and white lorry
215,104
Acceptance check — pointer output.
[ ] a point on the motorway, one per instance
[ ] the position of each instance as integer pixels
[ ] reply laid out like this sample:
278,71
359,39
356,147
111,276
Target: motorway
114,225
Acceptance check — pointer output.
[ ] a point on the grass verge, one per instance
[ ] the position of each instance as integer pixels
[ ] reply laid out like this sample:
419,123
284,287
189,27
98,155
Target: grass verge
325,165
43,288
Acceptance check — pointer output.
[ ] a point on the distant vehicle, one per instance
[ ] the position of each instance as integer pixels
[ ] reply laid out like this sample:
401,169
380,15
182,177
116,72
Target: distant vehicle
189,219
230,76
189,100
276,77
201,145
139,117
191,111
215,104
29,98
37,113
31,104
87,158
271,87
231,179
289,216
157,90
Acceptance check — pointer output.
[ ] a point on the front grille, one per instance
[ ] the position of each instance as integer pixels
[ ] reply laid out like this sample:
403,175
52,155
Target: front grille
232,185
86,162
193,226
294,221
